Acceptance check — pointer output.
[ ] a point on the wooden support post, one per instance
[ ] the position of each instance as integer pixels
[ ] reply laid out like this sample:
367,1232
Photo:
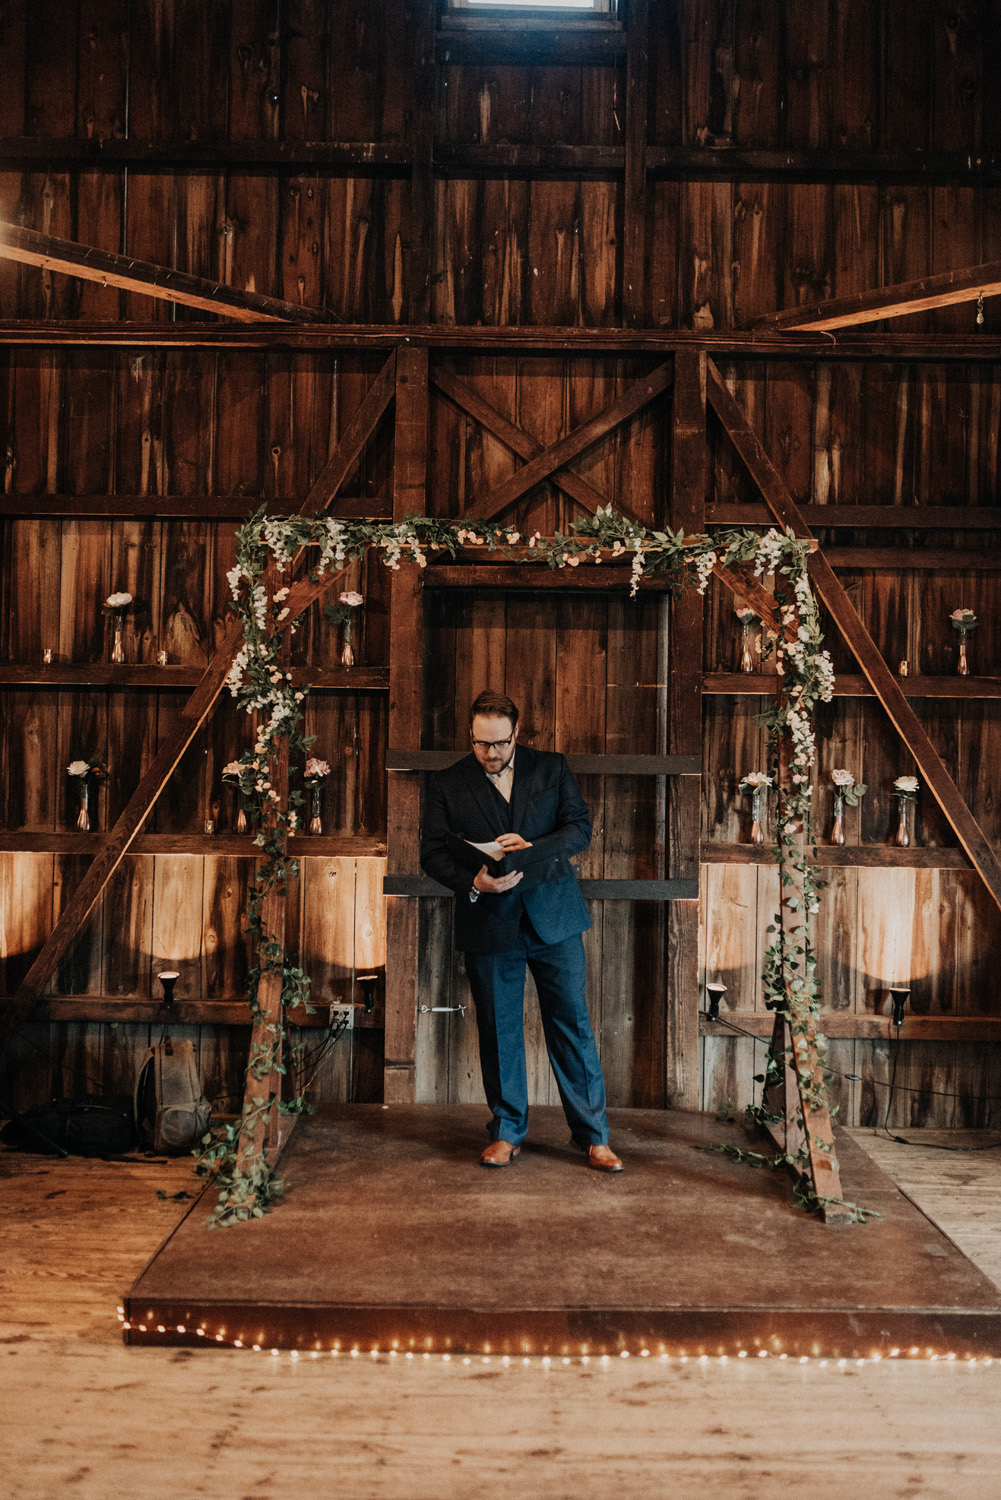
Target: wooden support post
634,188
689,476
422,131
863,647
406,695
265,1134
805,1121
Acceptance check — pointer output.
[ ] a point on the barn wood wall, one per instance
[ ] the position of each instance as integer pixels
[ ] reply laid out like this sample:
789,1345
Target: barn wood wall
505,247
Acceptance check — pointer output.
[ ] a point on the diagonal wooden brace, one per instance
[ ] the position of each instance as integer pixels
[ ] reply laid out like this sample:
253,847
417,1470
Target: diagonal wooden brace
863,647
520,442
549,460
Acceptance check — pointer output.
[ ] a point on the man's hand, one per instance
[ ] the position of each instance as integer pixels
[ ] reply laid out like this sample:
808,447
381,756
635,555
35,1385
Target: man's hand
509,842
496,885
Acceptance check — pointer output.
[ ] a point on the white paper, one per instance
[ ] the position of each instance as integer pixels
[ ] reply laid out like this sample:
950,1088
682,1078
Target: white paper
491,850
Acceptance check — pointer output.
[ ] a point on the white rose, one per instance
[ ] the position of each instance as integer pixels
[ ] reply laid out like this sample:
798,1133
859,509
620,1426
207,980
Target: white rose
842,778
962,614
118,601
352,599
78,767
906,783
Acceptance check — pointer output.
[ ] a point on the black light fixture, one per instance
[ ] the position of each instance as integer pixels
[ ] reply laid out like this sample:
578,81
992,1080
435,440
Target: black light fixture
368,983
714,994
168,979
899,996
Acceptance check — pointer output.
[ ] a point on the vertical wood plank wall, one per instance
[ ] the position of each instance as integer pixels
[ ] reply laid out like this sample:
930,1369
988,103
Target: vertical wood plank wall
438,215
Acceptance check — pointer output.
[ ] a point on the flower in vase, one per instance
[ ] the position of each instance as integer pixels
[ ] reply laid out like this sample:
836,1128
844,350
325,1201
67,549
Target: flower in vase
846,788
118,601
351,599
744,614
963,620
754,781
85,768
232,770
316,771
906,786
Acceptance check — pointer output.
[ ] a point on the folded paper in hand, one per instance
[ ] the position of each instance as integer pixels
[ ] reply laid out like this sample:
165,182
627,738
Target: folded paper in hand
474,856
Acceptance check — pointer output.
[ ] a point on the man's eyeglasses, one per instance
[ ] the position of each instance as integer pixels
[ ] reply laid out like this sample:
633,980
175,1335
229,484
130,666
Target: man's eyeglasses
492,744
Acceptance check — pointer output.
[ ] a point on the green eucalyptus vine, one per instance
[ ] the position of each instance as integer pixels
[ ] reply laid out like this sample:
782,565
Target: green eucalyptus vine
266,545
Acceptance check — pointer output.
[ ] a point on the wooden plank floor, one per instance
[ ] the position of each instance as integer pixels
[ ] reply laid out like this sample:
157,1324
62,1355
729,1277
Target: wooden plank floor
85,1417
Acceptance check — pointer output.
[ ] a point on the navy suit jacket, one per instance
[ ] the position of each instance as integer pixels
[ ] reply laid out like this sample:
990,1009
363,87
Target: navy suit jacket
547,809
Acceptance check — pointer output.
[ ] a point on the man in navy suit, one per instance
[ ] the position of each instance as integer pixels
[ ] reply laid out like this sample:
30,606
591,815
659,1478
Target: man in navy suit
528,802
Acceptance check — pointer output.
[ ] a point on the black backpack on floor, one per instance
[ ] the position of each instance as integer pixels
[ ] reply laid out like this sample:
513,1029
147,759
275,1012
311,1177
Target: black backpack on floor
92,1125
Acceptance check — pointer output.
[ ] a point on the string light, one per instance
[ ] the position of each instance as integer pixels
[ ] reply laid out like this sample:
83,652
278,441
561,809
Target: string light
681,1355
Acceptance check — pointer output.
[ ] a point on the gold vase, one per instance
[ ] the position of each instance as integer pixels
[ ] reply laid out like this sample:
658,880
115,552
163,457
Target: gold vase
83,816
902,837
838,830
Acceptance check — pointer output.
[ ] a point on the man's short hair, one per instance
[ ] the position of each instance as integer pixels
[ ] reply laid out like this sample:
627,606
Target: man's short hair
495,706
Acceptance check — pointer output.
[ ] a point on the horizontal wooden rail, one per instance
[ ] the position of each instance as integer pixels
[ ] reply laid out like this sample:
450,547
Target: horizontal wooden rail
872,517
582,765
854,685
515,578
850,856
845,1026
523,338
164,679
595,890
168,507
217,845
606,163
224,1011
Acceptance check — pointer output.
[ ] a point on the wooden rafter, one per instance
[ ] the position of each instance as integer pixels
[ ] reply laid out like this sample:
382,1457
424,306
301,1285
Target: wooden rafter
890,301
90,264
863,647
199,706
546,463
519,441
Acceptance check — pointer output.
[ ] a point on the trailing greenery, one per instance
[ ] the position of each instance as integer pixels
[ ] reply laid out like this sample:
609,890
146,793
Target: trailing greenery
264,688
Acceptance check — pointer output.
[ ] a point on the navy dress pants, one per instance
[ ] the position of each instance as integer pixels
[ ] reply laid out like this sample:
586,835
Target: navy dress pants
497,981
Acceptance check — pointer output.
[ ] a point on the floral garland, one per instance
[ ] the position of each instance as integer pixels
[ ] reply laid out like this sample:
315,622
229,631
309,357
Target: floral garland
265,688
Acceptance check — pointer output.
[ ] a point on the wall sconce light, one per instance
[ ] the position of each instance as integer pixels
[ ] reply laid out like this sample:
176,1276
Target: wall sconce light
368,983
899,996
714,994
168,979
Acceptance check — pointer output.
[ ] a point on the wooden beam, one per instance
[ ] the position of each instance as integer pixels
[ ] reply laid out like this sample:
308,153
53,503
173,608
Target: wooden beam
520,441
884,684
406,702
517,338
854,685
197,709
690,470
421,133
90,264
871,517
232,845
157,679
208,507
528,44
845,1025
634,209
688,763
632,400
513,576
942,290
340,158
843,856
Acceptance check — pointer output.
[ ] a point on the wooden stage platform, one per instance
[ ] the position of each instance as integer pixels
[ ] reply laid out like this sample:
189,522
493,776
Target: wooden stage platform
392,1236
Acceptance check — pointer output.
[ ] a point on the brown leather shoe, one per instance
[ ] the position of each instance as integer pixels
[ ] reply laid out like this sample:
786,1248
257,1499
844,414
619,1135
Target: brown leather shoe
603,1159
499,1154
